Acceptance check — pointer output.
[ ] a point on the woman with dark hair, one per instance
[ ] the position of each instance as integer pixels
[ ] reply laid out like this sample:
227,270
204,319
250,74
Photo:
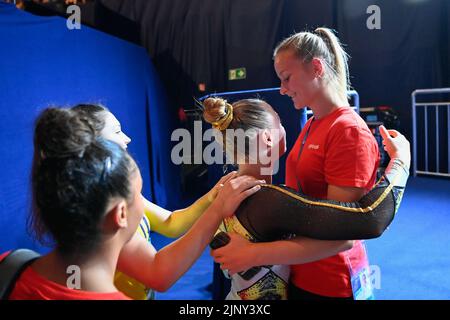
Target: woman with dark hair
155,218
87,202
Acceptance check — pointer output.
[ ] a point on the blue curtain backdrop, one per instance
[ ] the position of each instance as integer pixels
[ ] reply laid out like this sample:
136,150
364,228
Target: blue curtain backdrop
43,63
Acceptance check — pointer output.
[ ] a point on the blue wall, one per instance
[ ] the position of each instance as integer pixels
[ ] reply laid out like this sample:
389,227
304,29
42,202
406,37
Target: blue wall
44,63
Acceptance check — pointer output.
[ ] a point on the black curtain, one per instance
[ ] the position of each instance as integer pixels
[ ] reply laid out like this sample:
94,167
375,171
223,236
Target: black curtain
407,53
307,15
198,41
445,16
185,40
253,28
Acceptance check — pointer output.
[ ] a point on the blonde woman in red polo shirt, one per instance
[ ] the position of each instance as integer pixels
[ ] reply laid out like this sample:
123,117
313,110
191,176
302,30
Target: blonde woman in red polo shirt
335,157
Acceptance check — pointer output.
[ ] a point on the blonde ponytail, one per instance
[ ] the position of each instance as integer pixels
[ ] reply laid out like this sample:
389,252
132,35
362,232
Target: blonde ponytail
340,60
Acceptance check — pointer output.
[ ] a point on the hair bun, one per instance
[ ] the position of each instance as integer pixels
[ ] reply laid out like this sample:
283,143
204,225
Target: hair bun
214,109
218,112
62,133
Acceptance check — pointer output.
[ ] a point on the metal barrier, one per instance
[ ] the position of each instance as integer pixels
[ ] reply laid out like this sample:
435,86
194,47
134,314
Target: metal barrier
427,108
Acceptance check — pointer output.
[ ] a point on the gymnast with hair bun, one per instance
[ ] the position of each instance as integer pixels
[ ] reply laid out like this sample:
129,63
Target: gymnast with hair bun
335,158
281,213
155,218
87,205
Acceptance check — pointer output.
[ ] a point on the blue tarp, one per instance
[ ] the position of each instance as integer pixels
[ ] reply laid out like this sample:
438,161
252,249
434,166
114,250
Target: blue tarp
43,63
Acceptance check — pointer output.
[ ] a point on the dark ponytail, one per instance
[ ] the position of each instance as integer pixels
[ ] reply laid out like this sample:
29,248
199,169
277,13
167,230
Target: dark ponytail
74,176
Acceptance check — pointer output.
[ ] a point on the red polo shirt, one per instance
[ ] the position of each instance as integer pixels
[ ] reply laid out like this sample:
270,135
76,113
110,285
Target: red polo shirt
32,286
339,150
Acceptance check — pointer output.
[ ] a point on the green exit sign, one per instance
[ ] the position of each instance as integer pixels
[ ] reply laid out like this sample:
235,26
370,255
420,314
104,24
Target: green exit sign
237,74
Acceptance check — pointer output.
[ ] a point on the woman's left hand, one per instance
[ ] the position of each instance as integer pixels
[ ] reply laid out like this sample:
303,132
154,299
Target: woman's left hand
396,145
212,194
236,256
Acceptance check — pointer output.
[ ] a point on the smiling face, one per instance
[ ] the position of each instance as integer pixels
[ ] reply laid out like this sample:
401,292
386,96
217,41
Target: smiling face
113,131
298,79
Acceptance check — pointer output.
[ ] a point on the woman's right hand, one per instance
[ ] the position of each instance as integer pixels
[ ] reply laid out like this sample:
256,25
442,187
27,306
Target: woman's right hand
396,145
233,192
212,194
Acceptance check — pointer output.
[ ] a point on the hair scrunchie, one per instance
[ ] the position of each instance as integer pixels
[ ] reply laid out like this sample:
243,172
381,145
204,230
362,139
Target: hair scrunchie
225,121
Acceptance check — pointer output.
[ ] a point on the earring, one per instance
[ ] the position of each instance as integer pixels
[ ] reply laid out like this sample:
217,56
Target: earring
225,168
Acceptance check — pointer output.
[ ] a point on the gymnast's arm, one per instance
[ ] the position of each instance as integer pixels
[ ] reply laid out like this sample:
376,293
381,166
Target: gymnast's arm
174,224
240,254
160,270
276,212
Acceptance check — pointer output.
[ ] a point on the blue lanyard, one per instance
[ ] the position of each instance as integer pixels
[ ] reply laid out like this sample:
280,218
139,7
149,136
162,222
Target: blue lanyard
301,150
